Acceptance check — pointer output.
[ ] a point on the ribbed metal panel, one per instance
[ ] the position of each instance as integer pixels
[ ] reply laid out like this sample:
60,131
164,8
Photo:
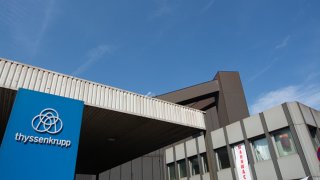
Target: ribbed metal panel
14,75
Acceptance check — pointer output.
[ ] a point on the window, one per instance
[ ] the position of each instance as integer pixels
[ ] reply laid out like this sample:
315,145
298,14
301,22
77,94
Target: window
171,171
314,136
204,162
194,165
182,168
261,149
222,158
284,142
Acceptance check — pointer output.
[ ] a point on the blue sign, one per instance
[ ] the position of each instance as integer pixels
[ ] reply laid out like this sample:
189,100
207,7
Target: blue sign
41,139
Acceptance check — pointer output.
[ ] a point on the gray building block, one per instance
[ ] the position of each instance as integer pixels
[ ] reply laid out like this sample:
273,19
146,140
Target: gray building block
180,152
253,126
218,138
225,174
169,155
265,170
275,118
234,132
291,167
191,147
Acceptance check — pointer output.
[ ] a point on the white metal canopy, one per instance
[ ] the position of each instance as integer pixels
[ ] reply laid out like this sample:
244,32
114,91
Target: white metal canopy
14,75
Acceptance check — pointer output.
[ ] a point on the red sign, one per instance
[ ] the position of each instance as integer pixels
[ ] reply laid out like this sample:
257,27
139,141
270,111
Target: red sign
318,153
242,162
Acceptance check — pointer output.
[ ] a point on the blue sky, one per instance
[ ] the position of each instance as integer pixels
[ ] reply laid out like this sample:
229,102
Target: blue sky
156,46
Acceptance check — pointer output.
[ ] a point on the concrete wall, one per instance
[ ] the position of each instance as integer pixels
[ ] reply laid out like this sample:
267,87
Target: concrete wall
148,167
294,117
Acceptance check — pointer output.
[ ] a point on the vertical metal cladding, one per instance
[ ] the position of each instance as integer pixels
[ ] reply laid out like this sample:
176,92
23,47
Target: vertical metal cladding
14,75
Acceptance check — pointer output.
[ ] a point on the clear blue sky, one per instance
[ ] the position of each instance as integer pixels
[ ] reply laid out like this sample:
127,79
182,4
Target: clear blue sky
156,46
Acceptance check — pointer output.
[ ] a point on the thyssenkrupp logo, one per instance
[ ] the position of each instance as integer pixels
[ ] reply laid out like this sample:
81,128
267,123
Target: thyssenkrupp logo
47,121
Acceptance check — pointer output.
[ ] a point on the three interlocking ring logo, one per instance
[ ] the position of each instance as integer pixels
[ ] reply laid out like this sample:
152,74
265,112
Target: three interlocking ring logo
47,121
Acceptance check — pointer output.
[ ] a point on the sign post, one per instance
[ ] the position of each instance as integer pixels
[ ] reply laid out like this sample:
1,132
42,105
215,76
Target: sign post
41,138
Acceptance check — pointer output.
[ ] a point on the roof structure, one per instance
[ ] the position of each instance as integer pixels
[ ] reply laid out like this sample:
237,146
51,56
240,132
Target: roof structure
114,120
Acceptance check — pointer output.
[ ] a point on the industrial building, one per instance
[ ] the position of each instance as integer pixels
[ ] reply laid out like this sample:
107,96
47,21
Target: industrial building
279,143
199,132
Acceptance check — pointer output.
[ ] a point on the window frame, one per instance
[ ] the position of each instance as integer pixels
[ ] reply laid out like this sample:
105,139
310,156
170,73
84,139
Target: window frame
204,162
252,140
273,137
172,164
316,136
179,169
191,167
218,164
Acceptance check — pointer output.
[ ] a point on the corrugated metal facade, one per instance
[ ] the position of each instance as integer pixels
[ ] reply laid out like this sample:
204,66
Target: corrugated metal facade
15,75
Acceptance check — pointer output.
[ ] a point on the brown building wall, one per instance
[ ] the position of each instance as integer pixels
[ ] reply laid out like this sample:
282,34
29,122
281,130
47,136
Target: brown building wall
223,100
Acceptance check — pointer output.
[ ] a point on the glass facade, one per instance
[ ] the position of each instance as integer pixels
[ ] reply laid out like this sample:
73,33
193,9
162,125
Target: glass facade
314,136
171,171
204,162
222,158
194,165
182,168
261,149
284,142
